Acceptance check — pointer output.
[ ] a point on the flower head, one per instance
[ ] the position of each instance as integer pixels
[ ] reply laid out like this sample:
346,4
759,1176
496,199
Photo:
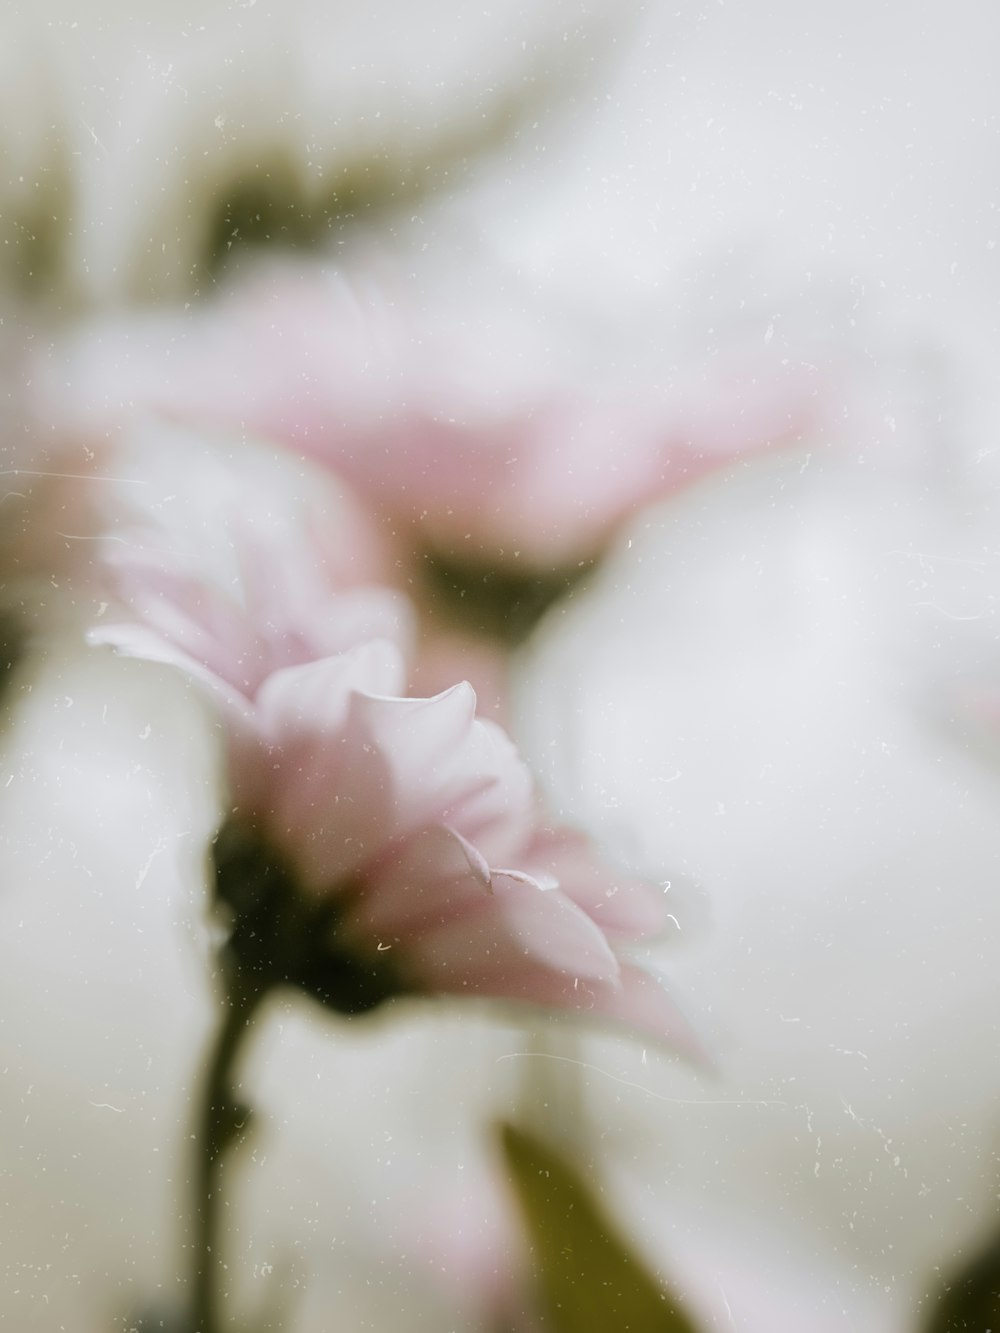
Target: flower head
493,449
250,589
376,844
404,833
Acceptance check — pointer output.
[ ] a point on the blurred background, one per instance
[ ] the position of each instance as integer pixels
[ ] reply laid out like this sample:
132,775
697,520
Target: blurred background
778,694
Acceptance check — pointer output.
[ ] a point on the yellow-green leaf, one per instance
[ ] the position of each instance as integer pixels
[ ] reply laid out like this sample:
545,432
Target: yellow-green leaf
589,1280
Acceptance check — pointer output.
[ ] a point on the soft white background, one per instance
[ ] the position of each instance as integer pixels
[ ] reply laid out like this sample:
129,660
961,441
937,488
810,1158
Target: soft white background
759,700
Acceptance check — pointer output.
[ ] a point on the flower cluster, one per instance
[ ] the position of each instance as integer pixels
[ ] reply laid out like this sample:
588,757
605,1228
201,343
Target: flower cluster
400,835
488,450
498,469
350,612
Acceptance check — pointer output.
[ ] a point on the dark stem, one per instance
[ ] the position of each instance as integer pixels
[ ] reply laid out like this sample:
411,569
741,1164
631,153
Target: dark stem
221,1120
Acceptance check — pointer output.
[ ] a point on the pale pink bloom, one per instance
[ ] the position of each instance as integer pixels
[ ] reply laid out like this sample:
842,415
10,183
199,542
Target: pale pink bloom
200,101
456,421
417,824
289,591
546,485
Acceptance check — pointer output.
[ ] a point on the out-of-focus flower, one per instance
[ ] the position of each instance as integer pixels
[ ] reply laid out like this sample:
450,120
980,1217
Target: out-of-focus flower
465,428
408,824
225,120
410,829
293,584
282,612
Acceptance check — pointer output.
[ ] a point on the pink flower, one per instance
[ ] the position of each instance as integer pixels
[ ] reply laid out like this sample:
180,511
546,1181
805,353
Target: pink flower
409,826
453,418
544,485
270,589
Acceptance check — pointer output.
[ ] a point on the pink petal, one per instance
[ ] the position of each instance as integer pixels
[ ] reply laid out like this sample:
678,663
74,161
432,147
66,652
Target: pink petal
187,611
325,800
360,773
133,640
624,907
643,1005
446,767
357,617
425,882
313,699
520,941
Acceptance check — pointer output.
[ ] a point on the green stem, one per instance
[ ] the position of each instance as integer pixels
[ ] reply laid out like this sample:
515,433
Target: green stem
221,1118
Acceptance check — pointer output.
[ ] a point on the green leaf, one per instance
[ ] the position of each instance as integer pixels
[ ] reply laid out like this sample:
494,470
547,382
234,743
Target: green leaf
588,1278
970,1299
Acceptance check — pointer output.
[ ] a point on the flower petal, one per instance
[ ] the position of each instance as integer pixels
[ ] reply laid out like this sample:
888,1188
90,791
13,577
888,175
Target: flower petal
315,697
447,767
624,907
520,942
642,1004
325,801
419,886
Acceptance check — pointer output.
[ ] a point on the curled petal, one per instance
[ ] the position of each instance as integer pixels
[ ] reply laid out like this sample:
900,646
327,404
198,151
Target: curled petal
323,800
356,773
202,630
134,640
314,699
444,766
